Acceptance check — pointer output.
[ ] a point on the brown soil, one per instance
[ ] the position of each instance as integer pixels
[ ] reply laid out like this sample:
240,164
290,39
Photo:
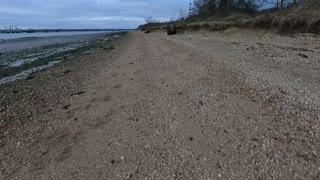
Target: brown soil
191,106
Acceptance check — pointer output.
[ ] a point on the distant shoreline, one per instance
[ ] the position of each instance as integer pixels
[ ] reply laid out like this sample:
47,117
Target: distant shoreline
59,30
14,36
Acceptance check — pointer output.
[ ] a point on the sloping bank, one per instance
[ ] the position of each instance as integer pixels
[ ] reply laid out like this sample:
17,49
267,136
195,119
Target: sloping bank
303,17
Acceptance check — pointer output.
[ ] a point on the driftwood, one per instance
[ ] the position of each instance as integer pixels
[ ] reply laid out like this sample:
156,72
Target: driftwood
171,30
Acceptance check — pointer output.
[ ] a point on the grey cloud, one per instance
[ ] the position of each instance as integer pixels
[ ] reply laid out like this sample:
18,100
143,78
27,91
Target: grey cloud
86,13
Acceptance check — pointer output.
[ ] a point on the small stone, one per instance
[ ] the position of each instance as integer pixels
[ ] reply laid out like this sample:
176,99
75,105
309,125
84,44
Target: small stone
191,138
18,143
44,151
112,161
67,71
30,77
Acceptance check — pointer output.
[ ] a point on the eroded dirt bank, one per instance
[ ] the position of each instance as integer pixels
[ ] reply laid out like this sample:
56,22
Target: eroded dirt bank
195,105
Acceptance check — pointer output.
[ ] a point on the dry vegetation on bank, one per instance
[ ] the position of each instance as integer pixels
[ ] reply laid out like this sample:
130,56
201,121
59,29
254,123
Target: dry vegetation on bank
302,17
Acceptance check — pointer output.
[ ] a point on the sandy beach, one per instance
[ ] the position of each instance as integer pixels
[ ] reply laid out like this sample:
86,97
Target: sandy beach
197,105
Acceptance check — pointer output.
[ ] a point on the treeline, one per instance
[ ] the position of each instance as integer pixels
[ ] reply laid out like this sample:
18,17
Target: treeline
209,7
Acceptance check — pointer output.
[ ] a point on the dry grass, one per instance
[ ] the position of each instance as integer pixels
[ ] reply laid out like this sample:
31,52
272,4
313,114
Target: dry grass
300,18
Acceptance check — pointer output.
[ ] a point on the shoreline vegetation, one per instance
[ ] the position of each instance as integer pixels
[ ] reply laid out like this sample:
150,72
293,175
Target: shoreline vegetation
300,17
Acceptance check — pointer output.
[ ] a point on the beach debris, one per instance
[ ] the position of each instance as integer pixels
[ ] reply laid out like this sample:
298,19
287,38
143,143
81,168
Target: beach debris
283,92
117,86
303,55
171,30
147,31
66,107
67,71
109,48
30,77
88,53
78,93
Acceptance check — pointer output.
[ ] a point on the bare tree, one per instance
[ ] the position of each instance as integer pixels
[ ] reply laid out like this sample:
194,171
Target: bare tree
182,14
148,19
212,6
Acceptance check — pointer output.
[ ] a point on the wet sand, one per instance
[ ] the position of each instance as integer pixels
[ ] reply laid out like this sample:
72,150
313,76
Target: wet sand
195,105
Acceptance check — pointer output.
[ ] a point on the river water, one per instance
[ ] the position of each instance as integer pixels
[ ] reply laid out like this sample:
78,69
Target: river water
6,36
35,42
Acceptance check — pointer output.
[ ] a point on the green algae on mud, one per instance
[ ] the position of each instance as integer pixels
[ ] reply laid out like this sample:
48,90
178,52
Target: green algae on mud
7,71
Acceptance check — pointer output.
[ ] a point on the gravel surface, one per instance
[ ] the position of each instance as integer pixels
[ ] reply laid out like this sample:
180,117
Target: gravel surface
198,105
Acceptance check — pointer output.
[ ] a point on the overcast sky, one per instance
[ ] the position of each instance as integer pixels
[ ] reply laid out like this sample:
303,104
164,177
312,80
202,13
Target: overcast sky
86,13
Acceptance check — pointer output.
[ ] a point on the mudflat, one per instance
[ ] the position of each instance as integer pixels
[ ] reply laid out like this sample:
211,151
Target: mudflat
197,105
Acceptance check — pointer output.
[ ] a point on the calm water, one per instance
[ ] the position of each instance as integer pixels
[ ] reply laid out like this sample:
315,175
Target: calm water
37,42
6,36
